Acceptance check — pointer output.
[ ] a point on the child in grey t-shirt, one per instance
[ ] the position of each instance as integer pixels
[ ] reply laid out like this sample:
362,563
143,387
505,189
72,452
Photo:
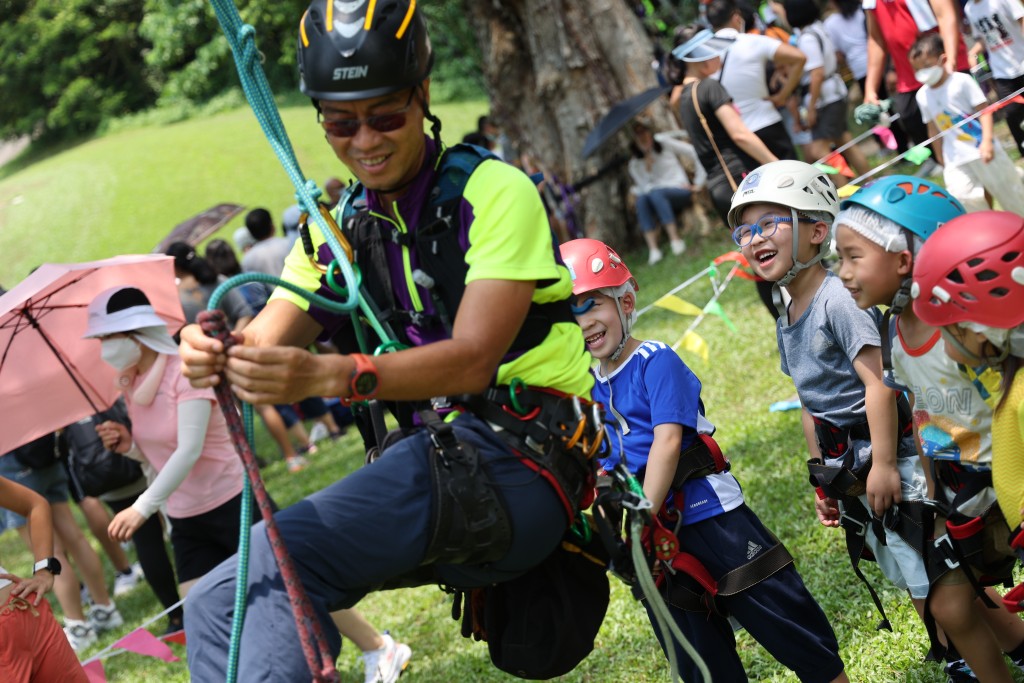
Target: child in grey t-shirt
782,216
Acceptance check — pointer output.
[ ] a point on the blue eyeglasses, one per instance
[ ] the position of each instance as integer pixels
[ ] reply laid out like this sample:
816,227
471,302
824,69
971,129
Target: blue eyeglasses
765,226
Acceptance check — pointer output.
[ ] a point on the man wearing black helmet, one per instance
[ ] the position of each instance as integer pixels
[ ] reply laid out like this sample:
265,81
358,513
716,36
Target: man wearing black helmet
455,249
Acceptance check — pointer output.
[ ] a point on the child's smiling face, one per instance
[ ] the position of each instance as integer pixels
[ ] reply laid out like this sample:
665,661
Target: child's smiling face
871,274
598,317
769,242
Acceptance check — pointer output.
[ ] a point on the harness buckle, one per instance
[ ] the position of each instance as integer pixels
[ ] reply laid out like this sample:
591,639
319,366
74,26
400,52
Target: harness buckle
845,519
945,546
634,502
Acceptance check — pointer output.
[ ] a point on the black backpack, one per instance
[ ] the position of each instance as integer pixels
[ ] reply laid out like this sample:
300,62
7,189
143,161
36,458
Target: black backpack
95,470
41,453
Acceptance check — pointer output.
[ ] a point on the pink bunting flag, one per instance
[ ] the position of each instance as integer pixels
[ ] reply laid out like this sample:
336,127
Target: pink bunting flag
886,136
143,642
94,672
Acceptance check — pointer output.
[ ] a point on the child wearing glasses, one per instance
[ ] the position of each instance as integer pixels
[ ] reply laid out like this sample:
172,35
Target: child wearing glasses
653,401
882,230
781,217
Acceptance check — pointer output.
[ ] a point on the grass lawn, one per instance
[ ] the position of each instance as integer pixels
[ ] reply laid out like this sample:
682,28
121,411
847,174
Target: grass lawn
123,192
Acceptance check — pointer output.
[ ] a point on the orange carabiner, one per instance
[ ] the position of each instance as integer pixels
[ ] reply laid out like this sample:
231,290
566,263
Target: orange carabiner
335,230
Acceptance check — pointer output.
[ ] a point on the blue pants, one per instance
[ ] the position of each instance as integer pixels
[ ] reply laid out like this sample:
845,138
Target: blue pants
779,612
663,202
349,539
312,408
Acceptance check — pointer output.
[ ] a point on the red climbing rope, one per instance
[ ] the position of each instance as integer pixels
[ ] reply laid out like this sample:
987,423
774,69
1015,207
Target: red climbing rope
311,635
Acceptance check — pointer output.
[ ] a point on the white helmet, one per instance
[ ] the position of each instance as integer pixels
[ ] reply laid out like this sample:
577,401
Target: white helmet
794,184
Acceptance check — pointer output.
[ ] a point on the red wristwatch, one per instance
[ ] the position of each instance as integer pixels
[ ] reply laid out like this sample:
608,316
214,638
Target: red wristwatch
364,380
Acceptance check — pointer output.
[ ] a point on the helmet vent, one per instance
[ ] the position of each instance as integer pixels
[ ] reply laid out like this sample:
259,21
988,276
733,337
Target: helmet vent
955,276
967,296
986,275
998,292
1010,256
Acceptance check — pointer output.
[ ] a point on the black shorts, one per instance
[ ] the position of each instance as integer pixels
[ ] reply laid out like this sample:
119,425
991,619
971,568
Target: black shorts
905,104
203,541
831,123
776,138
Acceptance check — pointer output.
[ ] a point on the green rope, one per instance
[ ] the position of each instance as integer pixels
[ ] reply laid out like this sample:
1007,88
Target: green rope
241,38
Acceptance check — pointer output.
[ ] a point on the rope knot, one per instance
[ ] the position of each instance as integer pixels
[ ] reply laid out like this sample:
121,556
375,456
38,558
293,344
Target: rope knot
215,324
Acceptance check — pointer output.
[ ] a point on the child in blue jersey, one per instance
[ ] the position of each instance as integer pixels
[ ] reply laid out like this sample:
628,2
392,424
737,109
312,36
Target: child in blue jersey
879,233
653,400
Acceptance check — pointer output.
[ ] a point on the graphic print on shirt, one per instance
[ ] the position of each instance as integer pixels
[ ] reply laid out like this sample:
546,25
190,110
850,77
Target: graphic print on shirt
969,132
995,33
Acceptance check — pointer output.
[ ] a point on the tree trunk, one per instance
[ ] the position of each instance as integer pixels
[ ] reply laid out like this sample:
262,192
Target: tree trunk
553,69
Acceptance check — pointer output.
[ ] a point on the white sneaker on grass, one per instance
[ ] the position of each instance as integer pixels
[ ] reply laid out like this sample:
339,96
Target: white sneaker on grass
104,617
125,583
654,256
386,664
80,634
318,432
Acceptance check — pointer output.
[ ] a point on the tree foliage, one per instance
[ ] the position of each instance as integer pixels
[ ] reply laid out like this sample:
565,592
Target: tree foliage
192,57
65,66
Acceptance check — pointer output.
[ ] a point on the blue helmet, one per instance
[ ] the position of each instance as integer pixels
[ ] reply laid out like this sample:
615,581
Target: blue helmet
918,205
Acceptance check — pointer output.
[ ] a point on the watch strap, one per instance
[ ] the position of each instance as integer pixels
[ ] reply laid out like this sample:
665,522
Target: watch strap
364,366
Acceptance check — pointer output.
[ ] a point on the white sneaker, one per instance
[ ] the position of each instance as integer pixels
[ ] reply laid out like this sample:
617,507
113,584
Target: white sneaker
386,664
678,247
80,634
655,256
319,432
125,583
104,617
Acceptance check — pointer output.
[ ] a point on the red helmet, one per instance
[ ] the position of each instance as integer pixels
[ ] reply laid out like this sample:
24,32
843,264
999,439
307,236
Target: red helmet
972,270
594,265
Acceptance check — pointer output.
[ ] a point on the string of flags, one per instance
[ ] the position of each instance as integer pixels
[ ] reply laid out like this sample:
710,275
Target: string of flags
690,340
140,641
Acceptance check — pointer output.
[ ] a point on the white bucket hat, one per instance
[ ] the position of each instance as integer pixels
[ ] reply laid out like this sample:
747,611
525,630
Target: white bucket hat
127,309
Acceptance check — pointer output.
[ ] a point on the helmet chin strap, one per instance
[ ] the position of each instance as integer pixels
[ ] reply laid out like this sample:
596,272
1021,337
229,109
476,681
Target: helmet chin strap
626,328
797,264
975,359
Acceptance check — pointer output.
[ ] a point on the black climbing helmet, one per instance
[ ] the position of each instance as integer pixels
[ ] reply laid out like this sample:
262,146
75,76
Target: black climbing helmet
357,49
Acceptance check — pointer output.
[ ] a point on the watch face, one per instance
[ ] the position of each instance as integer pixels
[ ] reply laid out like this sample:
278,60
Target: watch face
365,383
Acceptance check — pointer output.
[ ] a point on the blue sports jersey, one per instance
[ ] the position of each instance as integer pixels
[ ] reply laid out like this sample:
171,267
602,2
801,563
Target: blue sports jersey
652,387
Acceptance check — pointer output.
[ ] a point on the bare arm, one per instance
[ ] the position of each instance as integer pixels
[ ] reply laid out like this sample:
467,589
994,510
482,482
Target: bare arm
741,135
883,485
986,149
876,58
36,510
269,369
793,60
662,463
936,146
949,28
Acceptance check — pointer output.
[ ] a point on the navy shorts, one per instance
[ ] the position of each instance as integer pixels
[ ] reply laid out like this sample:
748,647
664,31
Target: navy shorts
50,482
779,612
356,536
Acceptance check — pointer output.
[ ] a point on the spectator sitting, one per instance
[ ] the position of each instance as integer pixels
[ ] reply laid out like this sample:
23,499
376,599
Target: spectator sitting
661,185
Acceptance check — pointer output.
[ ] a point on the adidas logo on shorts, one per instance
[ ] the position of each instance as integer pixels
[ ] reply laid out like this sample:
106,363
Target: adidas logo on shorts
752,549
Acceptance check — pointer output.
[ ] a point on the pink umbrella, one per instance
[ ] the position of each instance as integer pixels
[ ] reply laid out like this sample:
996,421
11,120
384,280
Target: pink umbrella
50,376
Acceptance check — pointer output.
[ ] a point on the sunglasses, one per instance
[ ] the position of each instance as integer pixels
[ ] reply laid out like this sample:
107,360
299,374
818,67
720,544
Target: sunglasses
382,123
765,226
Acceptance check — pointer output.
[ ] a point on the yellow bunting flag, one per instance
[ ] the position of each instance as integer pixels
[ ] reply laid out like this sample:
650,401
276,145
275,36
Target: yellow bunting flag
847,190
677,305
694,343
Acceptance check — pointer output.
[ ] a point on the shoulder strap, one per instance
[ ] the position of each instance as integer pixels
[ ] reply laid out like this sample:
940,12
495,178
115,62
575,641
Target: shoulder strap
711,138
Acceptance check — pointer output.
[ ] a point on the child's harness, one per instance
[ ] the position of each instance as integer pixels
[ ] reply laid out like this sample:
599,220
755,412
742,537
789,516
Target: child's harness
684,581
846,483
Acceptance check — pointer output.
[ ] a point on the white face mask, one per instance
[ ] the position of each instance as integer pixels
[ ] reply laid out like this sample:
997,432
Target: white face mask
930,75
120,353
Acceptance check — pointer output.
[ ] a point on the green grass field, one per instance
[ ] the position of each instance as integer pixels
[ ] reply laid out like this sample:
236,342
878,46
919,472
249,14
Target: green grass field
123,192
